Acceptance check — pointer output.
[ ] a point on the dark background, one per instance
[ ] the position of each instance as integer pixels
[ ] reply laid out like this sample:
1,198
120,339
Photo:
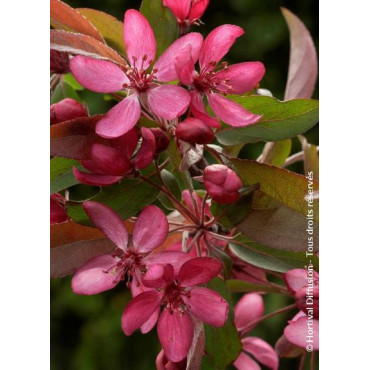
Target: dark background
85,331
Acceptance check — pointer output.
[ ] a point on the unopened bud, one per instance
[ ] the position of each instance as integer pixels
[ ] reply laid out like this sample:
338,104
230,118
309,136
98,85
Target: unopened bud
66,110
308,299
59,62
194,131
161,140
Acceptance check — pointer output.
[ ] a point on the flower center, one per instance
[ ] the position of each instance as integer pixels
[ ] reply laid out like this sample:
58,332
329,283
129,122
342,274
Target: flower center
172,297
140,78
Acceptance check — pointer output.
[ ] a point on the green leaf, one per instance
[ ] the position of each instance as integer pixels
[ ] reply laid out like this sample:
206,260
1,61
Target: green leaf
241,286
127,198
64,90
271,259
61,176
68,78
287,187
275,153
280,120
171,183
222,344
163,22
109,27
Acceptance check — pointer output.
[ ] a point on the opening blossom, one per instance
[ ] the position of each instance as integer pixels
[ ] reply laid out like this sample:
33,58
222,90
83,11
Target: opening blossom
217,80
181,297
187,12
144,86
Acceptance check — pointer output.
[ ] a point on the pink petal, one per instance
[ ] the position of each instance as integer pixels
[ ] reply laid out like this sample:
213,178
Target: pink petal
165,65
110,159
199,271
98,75
249,308
140,310
198,203
245,362
261,351
91,278
208,306
127,143
197,9
66,110
180,8
57,209
297,279
245,271
199,110
168,101
150,230
95,179
146,152
158,276
120,119
242,77
175,332
149,325
139,39
185,67
298,330
176,258
108,222
218,43
230,112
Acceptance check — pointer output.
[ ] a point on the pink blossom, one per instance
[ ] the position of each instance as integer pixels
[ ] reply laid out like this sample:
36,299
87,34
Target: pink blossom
143,85
179,293
161,140
215,81
303,286
249,308
162,363
110,160
187,12
194,131
66,110
221,183
58,212
132,255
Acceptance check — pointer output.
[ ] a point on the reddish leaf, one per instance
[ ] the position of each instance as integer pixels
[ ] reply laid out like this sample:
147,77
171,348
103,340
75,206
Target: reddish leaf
79,44
70,139
302,72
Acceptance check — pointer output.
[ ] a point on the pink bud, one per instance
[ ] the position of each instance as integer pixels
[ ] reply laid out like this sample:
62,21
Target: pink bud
66,110
58,213
161,140
59,62
308,299
221,183
194,131
162,363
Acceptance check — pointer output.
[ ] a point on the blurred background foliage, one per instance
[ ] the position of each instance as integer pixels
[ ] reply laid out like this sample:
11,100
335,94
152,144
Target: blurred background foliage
85,331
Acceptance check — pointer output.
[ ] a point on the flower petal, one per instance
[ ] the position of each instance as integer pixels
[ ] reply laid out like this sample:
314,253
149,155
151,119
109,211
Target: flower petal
245,362
94,179
199,110
230,112
261,351
241,77
191,43
140,310
127,143
298,330
149,325
158,276
120,119
180,8
296,279
91,278
198,7
146,152
139,39
168,101
176,258
98,75
249,308
198,271
175,332
218,43
106,220
208,306
150,230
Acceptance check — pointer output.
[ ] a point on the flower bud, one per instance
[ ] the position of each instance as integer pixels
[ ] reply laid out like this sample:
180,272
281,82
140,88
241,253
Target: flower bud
59,62
58,212
161,140
66,110
221,183
194,131
307,299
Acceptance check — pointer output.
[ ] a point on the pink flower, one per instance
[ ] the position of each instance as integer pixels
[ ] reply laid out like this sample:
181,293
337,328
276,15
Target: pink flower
58,212
306,291
161,140
216,81
109,161
221,183
143,85
194,131
132,255
247,311
181,297
187,12
66,110
162,363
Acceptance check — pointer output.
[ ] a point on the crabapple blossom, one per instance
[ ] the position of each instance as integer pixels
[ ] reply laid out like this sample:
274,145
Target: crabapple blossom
58,212
194,131
66,110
